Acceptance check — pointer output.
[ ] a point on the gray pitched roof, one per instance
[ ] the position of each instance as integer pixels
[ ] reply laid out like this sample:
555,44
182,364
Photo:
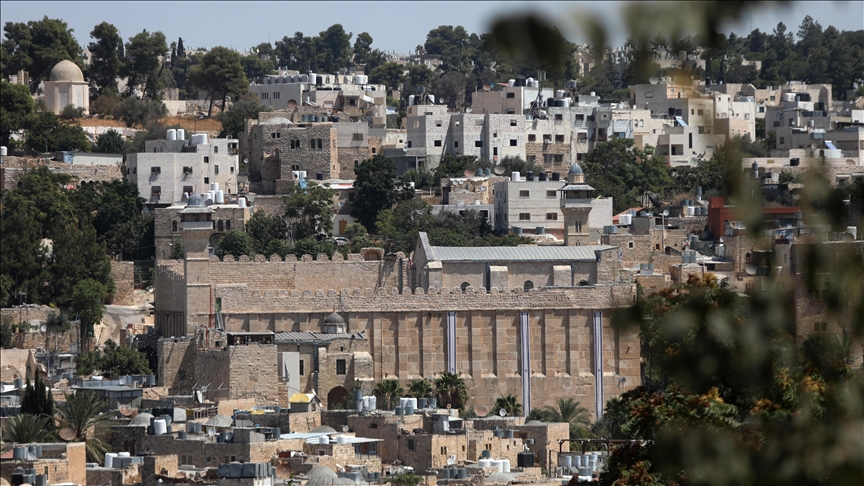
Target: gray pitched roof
516,253
304,337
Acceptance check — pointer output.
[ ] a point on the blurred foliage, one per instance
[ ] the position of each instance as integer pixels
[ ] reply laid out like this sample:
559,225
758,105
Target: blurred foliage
733,390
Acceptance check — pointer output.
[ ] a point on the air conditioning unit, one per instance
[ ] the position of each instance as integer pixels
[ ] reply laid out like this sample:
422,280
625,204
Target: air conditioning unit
187,170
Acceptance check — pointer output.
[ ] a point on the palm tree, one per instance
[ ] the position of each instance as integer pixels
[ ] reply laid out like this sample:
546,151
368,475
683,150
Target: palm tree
82,414
510,404
420,389
450,390
387,391
571,412
25,427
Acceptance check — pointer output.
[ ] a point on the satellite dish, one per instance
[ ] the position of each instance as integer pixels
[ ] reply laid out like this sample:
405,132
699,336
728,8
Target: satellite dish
283,471
653,80
345,428
211,431
498,170
448,406
122,380
125,411
405,148
67,434
665,212
481,411
451,460
292,104
502,412
469,172
487,87
31,456
43,328
750,269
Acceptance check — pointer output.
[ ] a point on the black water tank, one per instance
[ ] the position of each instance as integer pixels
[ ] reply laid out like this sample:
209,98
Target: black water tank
529,176
319,176
794,162
556,176
541,176
525,459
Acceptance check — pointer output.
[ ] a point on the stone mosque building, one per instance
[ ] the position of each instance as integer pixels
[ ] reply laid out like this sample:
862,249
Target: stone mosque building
66,86
529,321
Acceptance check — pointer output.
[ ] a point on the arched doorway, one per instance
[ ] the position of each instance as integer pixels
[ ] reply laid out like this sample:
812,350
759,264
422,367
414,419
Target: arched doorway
336,398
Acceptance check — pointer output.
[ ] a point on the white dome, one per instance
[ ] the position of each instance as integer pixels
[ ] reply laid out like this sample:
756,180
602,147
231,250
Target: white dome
66,71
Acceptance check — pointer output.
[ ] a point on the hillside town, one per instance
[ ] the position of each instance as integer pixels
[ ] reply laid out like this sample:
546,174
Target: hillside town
317,263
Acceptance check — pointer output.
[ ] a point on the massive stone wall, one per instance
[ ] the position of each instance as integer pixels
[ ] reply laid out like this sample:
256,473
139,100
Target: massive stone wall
408,334
123,274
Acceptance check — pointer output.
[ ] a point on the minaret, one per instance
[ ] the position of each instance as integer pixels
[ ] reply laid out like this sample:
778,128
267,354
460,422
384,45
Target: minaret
196,224
576,205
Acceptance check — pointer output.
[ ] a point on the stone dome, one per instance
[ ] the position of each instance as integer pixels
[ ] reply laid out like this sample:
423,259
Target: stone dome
141,420
323,429
195,201
575,170
334,319
66,71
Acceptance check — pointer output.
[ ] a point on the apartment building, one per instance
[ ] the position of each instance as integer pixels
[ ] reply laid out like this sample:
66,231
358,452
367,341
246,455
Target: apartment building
343,92
509,100
168,169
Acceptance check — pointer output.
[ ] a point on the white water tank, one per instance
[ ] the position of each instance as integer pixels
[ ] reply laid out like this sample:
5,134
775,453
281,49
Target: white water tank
323,440
625,219
199,139
341,439
109,459
498,464
160,427
214,186
505,465
514,177
241,202
220,197
560,93
171,134
410,100
484,463
593,93
412,402
181,134
511,82
789,97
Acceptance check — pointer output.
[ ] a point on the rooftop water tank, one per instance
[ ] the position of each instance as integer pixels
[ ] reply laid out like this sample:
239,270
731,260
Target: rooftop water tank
515,177
181,134
220,197
171,134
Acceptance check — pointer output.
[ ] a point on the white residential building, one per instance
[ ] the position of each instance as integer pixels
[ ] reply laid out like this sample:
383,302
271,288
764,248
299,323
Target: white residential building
168,169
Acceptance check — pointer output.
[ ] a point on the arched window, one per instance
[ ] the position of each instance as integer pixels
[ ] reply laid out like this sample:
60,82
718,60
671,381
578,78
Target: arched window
174,226
464,286
528,285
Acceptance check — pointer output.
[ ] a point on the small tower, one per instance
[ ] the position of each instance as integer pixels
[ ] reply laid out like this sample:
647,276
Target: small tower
576,205
196,225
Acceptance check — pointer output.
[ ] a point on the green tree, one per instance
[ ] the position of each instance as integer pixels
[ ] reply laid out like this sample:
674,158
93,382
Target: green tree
139,112
406,480
71,112
142,64
112,362
47,133
268,232
23,258
87,303
450,390
256,68
362,48
221,75
37,399
335,51
5,330
79,260
388,393
569,411
309,211
110,142
375,180
236,243
37,47
509,404
16,110
420,388
178,250
389,74
106,57
619,170
234,119
82,414
399,227
29,429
